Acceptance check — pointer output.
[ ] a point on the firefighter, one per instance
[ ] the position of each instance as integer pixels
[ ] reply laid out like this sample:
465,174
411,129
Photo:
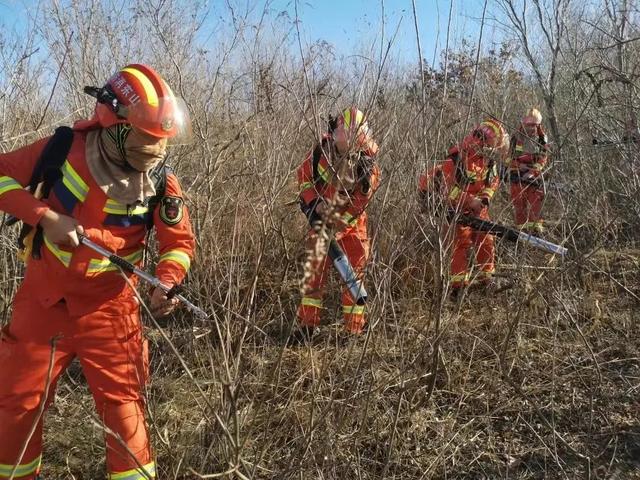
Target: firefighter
529,151
466,182
337,180
74,303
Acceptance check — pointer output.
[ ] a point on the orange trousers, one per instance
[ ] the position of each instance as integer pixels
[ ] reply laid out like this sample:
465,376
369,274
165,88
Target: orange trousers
357,251
527,203
464,239
113,355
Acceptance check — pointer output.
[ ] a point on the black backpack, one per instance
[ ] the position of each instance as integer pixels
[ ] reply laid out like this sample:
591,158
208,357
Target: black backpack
48,171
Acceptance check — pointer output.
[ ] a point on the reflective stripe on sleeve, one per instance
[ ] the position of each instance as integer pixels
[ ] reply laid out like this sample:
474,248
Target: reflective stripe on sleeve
7,184
455,193
178,256
488,192
349,219
62,255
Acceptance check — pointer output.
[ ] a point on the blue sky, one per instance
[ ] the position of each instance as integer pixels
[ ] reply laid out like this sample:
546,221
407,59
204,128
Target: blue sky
348,24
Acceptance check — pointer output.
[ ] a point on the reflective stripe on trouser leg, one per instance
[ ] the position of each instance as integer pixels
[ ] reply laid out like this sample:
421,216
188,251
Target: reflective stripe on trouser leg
147,471
22,470
459,270
353,318
357,251
309,311
114,360
535,197
485,255
25,357
316,269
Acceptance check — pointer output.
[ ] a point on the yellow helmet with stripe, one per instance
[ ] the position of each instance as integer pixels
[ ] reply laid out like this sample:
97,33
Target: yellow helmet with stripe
351,131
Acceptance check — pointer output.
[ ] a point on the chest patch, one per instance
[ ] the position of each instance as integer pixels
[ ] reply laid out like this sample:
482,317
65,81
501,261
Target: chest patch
171,210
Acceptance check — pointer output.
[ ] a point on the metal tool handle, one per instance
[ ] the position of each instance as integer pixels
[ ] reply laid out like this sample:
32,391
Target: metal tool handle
131,268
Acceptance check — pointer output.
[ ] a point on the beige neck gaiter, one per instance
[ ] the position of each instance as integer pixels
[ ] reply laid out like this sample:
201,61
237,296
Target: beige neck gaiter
120,158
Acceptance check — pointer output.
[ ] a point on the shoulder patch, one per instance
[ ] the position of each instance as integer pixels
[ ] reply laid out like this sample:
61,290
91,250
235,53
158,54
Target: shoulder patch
171,210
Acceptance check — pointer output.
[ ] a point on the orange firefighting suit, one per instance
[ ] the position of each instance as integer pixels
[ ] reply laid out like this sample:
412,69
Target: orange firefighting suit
460,178
528,159
79,299
353,238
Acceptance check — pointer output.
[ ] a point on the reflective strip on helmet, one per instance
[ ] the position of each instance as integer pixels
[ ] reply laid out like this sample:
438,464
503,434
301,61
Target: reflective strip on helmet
149,89
353,309
346,115
493,126
102,265
120,209
311,302
7,184
74,182
62,255
145,472
455,193
349,219
178,256
21,470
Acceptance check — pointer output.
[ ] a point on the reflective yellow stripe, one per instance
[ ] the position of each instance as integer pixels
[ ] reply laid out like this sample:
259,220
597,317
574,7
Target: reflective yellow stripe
492,125
353,309
488,191
463,277
62,255
101,265
73,182
147,471
7,184
347,117
349,219
311,302
306,185
323,173
455,193
178,256
22,470
535,166
519,148
152,95
120,209
471,176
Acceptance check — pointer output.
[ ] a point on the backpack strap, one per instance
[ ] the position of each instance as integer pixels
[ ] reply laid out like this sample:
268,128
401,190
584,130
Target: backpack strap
159,176
47,171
